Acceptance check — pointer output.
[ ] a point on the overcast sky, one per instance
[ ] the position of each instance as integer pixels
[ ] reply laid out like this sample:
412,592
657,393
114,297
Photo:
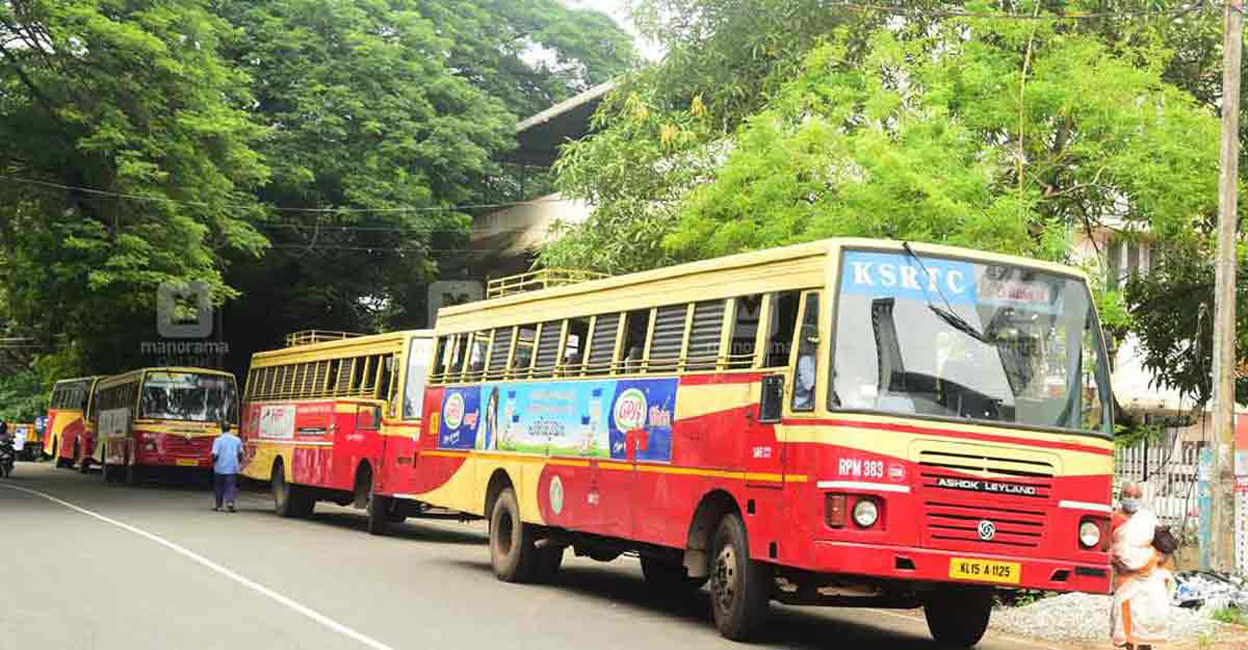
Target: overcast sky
618,10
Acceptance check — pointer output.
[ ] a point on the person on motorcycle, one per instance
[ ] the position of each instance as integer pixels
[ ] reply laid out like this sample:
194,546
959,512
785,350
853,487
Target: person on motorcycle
7,453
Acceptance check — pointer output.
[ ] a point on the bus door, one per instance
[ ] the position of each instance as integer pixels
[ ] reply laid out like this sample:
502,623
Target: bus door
355,442
788,389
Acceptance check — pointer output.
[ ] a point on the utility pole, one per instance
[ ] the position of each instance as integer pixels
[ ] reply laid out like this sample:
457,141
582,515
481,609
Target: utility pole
1221,555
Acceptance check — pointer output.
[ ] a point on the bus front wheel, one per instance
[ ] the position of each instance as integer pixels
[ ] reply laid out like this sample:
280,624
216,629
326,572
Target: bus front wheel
512,553
957,615
740,587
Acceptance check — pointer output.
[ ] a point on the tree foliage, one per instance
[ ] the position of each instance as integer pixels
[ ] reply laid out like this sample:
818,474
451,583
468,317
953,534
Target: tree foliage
305,158
104,99
1000,134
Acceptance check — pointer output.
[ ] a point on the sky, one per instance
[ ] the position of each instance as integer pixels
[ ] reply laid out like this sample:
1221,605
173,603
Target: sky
618,10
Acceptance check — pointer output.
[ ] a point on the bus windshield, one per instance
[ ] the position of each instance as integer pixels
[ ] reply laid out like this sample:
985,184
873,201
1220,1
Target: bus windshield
930,336
192,396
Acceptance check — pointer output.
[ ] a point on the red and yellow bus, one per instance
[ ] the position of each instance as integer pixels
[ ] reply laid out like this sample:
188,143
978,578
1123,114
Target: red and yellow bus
159,420
67,433
847,422
334,417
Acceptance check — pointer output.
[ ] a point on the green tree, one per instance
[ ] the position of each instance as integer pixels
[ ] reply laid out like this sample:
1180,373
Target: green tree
944,139
905,123
127,163
386,116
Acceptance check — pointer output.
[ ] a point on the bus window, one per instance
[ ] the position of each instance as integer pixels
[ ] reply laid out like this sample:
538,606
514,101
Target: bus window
547,353
746,312
573,355
780,329
705,332
525,338
476,360
602,344
500,349
636,325
457,357
668,338
417,368
385,367
807,346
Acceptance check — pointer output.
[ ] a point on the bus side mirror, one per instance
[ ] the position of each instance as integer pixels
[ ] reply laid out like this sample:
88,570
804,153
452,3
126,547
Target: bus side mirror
772,399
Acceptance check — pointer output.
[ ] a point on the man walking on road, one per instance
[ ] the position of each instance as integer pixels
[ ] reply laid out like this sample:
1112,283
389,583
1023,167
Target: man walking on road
227,455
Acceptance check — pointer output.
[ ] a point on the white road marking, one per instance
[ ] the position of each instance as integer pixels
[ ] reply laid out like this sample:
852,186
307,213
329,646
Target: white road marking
302,609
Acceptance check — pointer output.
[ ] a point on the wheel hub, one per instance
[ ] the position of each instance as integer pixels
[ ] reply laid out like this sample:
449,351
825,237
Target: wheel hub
724,587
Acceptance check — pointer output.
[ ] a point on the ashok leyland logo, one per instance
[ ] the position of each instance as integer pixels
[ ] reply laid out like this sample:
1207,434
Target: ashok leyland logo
987,530
183,311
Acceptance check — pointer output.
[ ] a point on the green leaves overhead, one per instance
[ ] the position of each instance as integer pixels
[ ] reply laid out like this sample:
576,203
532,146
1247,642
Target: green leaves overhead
99,100
303,157
922,140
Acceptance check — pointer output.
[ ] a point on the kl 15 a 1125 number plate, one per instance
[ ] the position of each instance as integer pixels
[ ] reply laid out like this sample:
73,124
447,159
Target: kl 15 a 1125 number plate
985,570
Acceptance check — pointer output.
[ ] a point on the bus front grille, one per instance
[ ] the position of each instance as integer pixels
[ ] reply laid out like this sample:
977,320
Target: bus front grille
960,526
181,446
981,463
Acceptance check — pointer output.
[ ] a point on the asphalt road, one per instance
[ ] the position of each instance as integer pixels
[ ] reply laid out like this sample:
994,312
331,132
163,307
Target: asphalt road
154,567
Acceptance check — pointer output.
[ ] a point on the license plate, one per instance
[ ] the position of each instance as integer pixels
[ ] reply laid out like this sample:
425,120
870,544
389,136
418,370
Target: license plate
187,462
985,570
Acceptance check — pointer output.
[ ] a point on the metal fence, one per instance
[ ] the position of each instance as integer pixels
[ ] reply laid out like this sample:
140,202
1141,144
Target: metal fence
1168,470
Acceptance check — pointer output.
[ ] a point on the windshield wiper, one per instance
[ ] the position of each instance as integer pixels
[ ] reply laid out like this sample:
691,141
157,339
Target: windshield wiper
945,313
958,323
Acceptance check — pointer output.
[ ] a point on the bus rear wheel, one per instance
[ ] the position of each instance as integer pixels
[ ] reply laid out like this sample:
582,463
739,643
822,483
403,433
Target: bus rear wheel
289,500
512,553
740,587
957,615
666,577
380,513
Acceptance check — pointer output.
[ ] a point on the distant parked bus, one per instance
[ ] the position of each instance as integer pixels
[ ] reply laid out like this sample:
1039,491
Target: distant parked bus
334,417
158,420
847,422
68,437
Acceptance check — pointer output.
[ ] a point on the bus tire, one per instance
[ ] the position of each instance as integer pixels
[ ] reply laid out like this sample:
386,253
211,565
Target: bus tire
512,553
666,577
378,520
957,615
740,587
134,475
288,500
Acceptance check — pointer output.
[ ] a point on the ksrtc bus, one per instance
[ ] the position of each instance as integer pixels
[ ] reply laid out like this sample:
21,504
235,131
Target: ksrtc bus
68,438
334,417
160,420
848,422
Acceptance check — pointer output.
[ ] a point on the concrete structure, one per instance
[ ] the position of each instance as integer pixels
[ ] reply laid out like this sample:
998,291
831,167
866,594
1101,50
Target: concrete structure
505,242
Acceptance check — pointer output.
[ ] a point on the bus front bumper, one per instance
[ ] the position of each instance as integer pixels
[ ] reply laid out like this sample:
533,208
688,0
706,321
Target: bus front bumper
928,565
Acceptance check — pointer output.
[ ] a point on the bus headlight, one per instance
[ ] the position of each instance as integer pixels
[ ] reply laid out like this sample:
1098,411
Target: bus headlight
866,513
1089,534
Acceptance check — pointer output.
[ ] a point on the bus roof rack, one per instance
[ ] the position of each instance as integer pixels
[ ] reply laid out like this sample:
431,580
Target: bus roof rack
540,279
308,337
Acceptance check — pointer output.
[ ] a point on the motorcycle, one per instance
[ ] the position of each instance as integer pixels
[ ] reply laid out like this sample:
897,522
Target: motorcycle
7,458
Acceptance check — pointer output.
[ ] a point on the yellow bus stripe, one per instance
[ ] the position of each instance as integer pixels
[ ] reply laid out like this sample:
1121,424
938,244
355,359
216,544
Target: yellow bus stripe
768,477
